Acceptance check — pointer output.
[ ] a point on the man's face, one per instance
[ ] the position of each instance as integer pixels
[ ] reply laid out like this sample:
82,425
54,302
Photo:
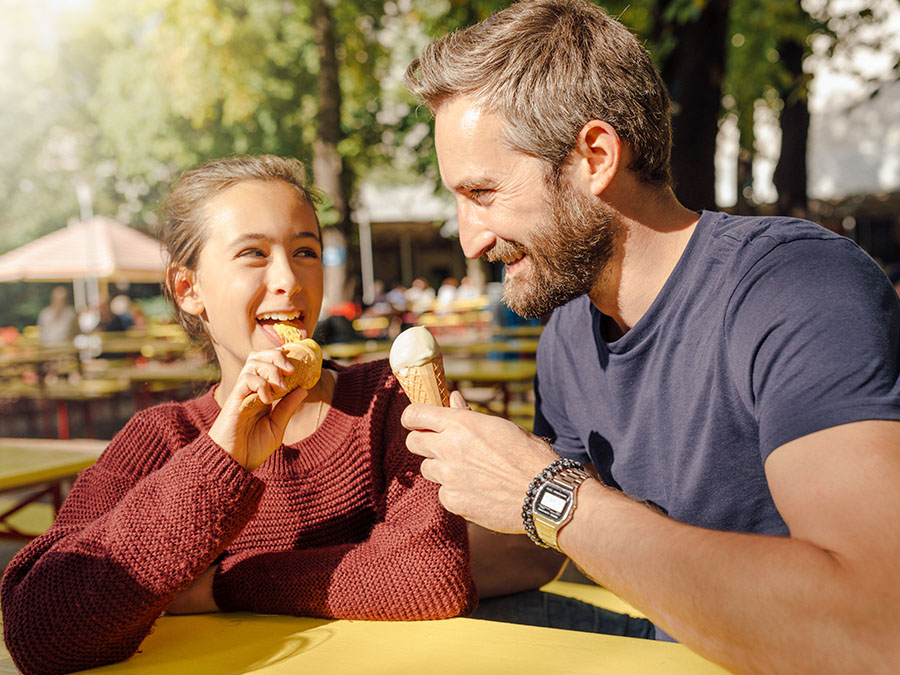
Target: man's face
569,250
553,239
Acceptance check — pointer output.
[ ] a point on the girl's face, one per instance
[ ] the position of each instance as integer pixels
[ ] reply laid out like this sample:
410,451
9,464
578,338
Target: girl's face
261,263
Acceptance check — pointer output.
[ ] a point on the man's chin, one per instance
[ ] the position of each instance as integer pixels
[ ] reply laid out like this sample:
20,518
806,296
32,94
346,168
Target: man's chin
535,301
520,298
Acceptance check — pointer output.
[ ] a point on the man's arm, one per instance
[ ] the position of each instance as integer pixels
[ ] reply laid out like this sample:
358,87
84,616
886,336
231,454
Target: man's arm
824,600
510,563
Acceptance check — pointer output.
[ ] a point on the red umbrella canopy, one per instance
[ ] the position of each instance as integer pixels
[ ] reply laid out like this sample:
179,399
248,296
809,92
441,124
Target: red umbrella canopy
99,248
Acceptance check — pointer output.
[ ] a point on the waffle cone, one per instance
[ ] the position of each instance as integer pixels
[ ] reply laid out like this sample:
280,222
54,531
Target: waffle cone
306,356
425,383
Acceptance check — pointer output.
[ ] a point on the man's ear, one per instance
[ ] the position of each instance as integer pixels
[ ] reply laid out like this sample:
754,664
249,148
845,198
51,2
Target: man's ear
185,291
598,152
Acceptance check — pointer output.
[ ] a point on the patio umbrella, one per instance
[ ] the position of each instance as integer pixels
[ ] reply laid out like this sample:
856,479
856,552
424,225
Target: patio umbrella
99,249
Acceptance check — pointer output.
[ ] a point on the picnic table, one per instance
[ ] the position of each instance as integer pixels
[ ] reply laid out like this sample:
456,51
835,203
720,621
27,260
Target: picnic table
32,469
243,642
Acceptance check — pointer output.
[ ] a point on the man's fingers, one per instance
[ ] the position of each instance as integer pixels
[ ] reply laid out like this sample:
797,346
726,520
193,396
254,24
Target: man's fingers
457,400
417,442
423,417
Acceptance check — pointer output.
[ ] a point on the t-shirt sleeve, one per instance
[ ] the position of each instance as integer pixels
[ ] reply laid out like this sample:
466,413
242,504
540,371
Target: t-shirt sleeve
812,331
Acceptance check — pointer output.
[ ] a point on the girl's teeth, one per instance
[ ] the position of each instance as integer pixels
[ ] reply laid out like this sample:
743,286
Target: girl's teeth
279,317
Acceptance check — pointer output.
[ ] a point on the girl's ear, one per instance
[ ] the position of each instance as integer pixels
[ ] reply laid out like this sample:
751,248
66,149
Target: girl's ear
185,291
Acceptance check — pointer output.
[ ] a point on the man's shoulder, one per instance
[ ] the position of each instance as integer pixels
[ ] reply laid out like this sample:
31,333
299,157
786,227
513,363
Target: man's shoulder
762,233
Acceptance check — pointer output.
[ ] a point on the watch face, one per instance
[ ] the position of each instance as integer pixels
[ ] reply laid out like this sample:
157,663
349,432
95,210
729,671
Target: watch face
552,502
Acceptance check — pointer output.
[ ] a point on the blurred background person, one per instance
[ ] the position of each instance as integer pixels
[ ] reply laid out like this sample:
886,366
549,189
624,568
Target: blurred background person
121,312
446,296
58,322
420,296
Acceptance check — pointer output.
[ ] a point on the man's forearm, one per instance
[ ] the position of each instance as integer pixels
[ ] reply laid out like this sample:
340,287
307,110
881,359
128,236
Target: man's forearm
510,563
752,603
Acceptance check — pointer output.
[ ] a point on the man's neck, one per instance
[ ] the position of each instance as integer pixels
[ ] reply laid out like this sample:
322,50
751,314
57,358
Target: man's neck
654,229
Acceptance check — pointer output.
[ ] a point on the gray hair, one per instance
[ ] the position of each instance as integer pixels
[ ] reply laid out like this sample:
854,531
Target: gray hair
549,67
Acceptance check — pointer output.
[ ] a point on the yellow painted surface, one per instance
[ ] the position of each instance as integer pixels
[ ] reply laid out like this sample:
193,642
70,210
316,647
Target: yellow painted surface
221,644
28,461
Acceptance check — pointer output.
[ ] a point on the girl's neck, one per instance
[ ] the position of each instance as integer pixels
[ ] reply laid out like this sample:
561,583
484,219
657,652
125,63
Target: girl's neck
312,412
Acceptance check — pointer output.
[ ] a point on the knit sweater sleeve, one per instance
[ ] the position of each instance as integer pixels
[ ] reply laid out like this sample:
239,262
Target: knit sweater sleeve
137,528
414,564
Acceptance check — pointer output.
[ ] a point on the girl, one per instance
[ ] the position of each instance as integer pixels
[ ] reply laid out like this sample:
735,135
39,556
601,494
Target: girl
311,506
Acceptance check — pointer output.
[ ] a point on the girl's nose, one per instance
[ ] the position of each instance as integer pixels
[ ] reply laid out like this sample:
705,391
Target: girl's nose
282,278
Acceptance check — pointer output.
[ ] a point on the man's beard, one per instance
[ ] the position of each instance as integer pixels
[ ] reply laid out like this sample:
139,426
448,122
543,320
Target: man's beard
567,255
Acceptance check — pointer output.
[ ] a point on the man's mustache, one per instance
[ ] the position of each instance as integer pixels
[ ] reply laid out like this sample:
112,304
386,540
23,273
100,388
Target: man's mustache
504,251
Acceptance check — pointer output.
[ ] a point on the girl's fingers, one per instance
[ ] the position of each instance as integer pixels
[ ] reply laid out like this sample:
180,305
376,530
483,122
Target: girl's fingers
286,407
271,373
260,385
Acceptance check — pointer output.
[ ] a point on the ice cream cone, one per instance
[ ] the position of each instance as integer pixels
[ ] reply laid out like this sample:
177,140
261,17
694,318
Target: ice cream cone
425,383
418,365
306,356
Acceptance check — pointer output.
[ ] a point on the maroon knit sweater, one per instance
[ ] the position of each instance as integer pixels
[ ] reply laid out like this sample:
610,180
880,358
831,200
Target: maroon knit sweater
340,525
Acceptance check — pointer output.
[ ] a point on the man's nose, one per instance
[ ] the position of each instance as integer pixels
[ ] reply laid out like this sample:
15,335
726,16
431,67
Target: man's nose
474,235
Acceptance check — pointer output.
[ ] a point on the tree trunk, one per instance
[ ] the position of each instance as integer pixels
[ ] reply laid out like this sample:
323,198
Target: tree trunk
791,172
329,171
693,72
744,205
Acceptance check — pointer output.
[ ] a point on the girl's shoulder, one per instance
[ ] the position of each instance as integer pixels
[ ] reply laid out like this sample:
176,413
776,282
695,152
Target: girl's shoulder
367,377
369,388
153,434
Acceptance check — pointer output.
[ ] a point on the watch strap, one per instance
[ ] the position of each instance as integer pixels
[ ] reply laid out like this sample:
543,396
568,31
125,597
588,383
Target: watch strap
565,490
547,527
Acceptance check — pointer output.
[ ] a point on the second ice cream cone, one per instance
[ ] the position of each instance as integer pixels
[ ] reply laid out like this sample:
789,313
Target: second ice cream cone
425,383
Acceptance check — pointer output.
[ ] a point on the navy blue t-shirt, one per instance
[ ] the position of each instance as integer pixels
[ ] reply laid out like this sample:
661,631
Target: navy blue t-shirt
768,329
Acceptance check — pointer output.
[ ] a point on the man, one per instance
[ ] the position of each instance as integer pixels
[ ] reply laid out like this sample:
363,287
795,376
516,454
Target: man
732,381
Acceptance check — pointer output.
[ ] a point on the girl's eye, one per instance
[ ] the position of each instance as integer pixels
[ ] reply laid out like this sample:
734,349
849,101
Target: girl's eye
306,253
252,253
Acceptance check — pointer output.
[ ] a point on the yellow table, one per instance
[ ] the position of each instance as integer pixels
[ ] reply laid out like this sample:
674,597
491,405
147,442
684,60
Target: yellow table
357,351
520,331
243,643
39,467
489,373
527,346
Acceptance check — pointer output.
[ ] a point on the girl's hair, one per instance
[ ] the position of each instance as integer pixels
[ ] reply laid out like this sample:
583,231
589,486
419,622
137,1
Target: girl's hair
549,67
184,231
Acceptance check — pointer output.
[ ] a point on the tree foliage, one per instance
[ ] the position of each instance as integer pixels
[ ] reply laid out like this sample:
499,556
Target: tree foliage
121,97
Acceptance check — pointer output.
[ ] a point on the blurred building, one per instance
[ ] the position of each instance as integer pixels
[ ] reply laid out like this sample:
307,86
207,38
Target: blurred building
409,231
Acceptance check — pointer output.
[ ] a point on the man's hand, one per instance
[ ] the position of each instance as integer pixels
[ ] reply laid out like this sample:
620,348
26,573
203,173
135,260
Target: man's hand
483,463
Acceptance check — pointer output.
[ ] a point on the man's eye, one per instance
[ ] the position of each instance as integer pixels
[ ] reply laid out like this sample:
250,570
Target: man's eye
480,194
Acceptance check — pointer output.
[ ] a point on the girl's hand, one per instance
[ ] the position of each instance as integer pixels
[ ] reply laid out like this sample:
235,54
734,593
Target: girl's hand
251,435
196,598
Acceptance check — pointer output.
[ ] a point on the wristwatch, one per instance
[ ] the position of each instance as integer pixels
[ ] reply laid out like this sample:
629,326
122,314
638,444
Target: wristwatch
554,504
